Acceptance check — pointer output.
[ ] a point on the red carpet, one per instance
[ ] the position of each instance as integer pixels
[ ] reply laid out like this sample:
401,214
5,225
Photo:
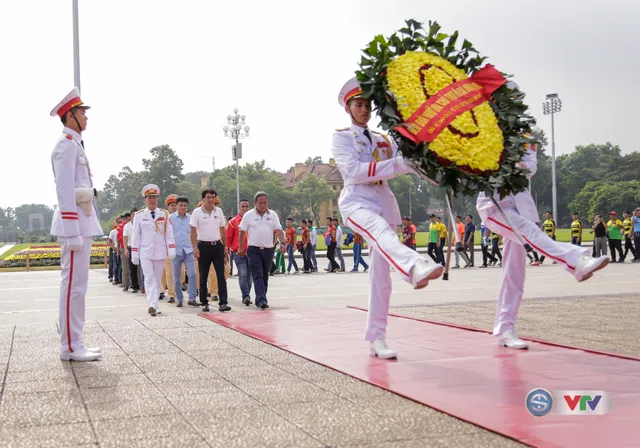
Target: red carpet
463,373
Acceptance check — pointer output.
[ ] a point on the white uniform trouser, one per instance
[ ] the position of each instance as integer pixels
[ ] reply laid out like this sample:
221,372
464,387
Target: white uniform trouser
73,288
152,280
514,259
385,250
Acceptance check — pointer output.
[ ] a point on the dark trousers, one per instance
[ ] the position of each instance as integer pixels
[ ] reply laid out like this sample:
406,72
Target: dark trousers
495,249
306,256
636,240
434,252
441,249
613,246
487,256
543,257
575,240
212,253
331,255
628,247
133,272
260,261
111,255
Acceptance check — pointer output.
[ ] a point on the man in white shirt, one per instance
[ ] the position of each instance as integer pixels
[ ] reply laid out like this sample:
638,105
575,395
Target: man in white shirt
151,240
313,239
208,238
134,272
124,257
116,264
259,225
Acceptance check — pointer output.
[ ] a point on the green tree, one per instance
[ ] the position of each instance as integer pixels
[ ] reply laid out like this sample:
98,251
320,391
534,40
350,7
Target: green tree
195,176
627,169
164,169
122,192
602,197
22,217
313,160
190,191
8,224
309,194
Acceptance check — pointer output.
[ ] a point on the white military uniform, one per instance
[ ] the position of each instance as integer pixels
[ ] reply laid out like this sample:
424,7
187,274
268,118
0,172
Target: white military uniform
368,205
523,213
151,240
75,222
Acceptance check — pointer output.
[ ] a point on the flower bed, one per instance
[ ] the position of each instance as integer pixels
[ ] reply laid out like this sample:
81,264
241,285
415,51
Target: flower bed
50,256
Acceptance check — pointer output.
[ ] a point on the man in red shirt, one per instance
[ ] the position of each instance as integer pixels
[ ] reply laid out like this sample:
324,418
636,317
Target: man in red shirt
242,262
306,248
358,244
292,235
330,237
408,232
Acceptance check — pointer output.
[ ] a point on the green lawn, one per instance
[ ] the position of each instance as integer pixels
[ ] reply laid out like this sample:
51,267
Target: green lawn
422,238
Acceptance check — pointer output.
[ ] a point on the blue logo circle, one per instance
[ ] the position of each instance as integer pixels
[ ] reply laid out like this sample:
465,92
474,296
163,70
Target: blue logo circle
539,402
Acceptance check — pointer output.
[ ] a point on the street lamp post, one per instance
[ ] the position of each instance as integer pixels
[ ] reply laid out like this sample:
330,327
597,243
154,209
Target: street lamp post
235,131
76,47
552,106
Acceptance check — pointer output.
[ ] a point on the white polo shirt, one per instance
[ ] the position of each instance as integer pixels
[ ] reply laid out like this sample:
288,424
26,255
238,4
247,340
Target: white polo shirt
126,230
113,236
208,224
260,229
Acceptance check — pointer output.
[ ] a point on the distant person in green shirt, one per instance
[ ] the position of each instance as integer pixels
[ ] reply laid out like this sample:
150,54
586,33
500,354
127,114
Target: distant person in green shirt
434,239
615,229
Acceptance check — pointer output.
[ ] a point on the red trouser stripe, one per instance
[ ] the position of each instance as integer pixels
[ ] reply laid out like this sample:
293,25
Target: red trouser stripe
534,246
69,302
383,252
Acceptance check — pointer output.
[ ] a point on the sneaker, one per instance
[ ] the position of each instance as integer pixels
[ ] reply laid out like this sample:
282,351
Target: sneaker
246,300
193,303
152,311
171,300
215,298
161,296
482,266
125,289
205,309
224,307
179,304
456,267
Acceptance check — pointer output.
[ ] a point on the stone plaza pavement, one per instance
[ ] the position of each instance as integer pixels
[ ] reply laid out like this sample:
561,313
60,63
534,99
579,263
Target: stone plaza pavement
180,380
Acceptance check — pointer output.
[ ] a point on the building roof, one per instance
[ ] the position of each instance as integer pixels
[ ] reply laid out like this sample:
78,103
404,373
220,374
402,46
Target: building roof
300,171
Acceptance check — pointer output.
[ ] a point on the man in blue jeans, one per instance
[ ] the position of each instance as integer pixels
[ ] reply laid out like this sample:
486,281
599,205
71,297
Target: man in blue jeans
242,261
292,236
256,241
184,252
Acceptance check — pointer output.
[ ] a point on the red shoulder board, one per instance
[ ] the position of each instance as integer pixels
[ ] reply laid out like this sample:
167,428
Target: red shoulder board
69,137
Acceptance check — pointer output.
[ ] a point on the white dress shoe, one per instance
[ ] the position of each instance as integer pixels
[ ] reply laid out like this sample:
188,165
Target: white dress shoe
380,348
511,340
423,272
93,349
79,356
587,265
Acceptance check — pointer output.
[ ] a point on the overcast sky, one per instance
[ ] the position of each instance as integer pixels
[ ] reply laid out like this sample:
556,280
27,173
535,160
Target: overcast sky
169,72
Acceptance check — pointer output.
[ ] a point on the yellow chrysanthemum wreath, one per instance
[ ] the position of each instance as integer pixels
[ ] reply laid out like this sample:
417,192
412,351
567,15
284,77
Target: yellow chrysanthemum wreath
478,150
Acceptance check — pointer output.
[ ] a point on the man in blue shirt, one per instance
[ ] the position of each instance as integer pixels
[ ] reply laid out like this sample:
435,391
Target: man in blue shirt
469,234
184,252
636,233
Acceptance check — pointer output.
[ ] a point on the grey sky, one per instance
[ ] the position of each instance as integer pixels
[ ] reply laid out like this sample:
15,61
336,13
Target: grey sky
169,72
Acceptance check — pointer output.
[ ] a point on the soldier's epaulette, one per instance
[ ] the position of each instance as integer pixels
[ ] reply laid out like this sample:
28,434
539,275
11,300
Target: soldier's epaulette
343,129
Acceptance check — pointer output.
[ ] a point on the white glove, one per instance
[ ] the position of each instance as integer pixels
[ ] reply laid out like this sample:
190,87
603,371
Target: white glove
71,244
172,253
403,166
135,258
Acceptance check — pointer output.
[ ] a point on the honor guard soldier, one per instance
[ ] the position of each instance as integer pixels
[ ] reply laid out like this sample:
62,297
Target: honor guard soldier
151,240
75,222
523,214
366,161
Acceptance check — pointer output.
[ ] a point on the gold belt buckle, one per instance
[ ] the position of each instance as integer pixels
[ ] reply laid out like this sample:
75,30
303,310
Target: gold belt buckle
377,183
